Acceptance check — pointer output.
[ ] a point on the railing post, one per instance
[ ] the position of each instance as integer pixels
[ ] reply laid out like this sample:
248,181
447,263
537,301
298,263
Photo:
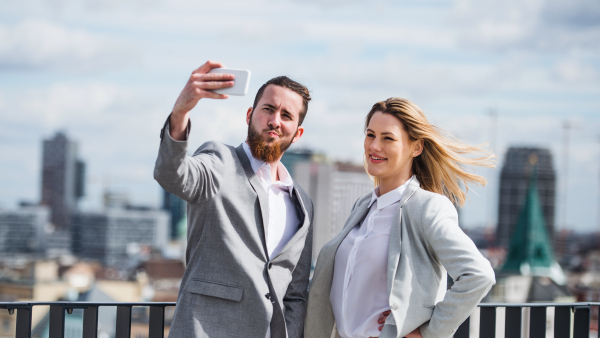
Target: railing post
57,321
581,324
537,326
512,323
487,323
156,327
463,329
562,322
23,323
123,322
90,322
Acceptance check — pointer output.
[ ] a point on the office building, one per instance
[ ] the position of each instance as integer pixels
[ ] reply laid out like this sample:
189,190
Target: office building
294,156
23,230
514,177
63,178
177,208
333,188
114,236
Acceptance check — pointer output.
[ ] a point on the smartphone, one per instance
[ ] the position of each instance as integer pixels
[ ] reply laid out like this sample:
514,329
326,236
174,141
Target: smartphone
240,83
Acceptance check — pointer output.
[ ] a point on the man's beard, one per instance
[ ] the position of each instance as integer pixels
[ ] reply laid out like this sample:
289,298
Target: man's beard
266,152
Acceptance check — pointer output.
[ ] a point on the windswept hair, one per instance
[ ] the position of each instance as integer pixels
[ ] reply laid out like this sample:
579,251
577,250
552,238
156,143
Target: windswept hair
440,167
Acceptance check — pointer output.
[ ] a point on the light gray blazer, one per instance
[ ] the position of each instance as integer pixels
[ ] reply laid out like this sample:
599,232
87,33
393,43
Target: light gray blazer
230,288
424,242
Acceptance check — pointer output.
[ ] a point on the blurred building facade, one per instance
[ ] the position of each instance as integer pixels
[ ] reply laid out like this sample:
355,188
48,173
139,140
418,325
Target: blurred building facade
513,189
23,230
177,208
113,236
333,188
294,156
63,178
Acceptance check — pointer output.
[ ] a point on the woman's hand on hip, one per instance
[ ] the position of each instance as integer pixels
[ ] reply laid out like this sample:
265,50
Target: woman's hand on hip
382,317
415,334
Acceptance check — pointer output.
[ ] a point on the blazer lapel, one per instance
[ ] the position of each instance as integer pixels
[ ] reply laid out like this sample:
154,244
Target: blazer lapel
263,201
395,242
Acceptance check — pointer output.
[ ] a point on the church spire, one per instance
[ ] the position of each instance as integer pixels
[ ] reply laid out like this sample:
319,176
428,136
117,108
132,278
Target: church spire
530,252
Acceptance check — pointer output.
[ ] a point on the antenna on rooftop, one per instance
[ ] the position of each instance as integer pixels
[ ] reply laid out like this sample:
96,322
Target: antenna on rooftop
493,115
598,206
566,127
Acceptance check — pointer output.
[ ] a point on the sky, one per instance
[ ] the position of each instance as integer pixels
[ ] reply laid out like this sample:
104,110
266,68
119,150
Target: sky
108,72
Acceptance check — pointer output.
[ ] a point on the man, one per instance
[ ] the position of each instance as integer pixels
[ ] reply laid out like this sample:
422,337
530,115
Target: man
249,224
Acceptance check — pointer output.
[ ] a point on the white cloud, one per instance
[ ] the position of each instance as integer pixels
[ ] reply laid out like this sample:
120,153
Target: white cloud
535,25
39,45
65,104
575,70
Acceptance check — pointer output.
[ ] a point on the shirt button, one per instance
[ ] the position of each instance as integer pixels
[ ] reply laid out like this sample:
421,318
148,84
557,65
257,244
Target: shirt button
394,307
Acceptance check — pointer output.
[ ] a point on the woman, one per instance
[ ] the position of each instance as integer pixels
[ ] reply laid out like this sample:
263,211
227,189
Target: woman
384,275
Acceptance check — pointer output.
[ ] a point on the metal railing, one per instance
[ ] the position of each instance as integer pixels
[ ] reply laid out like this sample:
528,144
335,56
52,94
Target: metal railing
90,317
570,319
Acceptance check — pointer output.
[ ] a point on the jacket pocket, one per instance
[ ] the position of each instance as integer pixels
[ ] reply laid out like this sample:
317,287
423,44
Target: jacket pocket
213,289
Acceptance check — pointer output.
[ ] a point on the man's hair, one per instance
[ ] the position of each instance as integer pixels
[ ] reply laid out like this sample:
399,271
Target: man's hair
286,82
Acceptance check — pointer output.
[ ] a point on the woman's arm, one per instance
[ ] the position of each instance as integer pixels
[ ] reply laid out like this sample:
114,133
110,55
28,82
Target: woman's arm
472,274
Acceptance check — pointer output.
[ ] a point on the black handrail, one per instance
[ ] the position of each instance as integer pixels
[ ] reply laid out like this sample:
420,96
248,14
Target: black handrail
90,317
563,326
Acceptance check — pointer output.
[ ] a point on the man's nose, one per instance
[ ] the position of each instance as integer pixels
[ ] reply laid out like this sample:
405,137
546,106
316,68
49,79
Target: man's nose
275,120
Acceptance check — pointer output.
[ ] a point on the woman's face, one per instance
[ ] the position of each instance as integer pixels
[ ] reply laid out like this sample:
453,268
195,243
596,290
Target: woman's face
388,148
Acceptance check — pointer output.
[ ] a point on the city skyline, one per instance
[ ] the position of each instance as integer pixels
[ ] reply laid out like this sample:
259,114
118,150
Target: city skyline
108,74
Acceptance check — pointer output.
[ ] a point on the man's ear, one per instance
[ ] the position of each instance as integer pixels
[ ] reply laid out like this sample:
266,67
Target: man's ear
298,135
248,115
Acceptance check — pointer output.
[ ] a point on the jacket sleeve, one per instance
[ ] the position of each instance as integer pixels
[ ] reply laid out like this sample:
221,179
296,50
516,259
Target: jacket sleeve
191,178
472,274
296,296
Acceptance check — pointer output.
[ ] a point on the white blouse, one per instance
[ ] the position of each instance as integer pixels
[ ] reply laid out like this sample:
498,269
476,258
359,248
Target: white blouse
359,290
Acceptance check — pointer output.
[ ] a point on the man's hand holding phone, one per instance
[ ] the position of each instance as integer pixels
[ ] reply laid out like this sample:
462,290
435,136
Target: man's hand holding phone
198,87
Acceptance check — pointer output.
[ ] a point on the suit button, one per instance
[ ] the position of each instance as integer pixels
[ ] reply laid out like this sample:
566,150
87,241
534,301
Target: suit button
268,296
270,265
394,307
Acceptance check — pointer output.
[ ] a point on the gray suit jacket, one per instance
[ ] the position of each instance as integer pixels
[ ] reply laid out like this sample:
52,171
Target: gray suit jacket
425,241
230,288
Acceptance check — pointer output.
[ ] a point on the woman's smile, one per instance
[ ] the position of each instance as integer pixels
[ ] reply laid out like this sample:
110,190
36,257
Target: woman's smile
377,159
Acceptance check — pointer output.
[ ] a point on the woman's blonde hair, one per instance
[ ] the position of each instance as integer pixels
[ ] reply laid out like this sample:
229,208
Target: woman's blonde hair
439,168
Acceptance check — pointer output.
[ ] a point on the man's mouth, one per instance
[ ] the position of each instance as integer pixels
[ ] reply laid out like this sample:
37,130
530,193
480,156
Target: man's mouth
376,159
273,133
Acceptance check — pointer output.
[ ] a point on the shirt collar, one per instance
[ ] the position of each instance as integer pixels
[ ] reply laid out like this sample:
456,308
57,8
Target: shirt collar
390,197
285,179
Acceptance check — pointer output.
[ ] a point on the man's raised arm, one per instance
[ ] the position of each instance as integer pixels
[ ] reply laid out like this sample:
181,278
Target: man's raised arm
196,88
184,176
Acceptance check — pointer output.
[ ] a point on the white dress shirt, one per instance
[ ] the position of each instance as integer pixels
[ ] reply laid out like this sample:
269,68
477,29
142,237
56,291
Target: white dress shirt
283,215
359,290
284,220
